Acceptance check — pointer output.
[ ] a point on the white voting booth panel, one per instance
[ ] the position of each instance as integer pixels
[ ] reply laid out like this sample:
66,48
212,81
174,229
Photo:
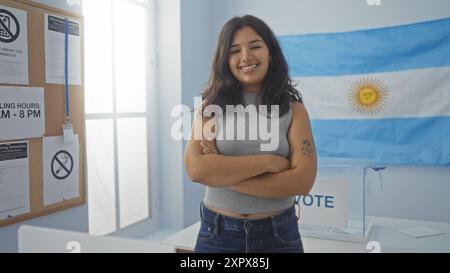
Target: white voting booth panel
336,206
45,240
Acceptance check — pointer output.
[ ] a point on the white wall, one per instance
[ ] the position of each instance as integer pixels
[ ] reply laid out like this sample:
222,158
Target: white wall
313,16
75,219
184,51
410,192
196,55
70,5
168,88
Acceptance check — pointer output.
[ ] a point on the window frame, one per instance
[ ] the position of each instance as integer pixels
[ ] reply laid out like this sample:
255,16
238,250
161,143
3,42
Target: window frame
151,223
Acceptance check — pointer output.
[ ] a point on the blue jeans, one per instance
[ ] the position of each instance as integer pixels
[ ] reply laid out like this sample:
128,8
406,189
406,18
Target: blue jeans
223,234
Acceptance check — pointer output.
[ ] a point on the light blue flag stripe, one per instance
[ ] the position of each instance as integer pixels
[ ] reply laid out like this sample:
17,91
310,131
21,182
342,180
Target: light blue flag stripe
400,141
413,46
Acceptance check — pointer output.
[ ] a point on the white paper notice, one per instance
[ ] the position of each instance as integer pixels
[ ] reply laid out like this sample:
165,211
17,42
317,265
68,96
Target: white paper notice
22,112
420,232
13,46
55,50
14,179
61,168
326,204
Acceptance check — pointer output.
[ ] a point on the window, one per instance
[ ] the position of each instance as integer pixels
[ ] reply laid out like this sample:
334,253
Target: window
118,60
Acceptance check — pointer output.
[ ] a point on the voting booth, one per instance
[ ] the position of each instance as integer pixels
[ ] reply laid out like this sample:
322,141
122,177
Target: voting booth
42,135
336,206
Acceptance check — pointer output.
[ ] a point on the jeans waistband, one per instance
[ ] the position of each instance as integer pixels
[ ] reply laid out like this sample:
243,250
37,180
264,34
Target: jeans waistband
236,224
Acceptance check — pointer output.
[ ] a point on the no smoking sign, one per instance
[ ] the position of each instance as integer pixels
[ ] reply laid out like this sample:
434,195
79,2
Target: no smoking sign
9,26
62,165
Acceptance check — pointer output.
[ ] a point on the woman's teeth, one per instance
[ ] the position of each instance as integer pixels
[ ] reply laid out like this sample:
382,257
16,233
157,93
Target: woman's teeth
249,68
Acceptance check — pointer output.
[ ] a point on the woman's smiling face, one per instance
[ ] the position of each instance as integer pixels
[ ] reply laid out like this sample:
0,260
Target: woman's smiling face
249,59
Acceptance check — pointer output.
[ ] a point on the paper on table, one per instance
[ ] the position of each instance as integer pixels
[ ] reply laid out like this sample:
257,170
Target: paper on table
420,232
14,179
61,169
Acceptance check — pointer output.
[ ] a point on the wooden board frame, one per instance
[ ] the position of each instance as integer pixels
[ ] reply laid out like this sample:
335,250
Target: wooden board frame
54,109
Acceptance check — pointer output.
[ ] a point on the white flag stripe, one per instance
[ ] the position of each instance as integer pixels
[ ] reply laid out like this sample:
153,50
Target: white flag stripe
411,93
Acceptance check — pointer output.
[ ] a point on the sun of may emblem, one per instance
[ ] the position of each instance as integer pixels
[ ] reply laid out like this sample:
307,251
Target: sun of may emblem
368,96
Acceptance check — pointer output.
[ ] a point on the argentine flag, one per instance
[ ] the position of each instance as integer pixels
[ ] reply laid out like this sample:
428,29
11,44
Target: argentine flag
381,94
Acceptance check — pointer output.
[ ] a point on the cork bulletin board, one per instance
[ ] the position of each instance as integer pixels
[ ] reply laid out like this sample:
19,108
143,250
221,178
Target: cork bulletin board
54,95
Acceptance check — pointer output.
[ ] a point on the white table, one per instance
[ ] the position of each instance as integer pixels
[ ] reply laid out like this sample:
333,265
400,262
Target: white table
384,231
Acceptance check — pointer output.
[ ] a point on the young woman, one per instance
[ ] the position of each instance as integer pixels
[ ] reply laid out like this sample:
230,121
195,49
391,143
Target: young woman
249,200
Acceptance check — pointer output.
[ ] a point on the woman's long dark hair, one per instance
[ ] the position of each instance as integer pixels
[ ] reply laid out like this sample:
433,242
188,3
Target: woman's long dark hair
223,88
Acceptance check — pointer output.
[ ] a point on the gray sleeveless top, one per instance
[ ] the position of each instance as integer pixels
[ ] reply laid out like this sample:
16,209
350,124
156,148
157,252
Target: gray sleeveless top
224,198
